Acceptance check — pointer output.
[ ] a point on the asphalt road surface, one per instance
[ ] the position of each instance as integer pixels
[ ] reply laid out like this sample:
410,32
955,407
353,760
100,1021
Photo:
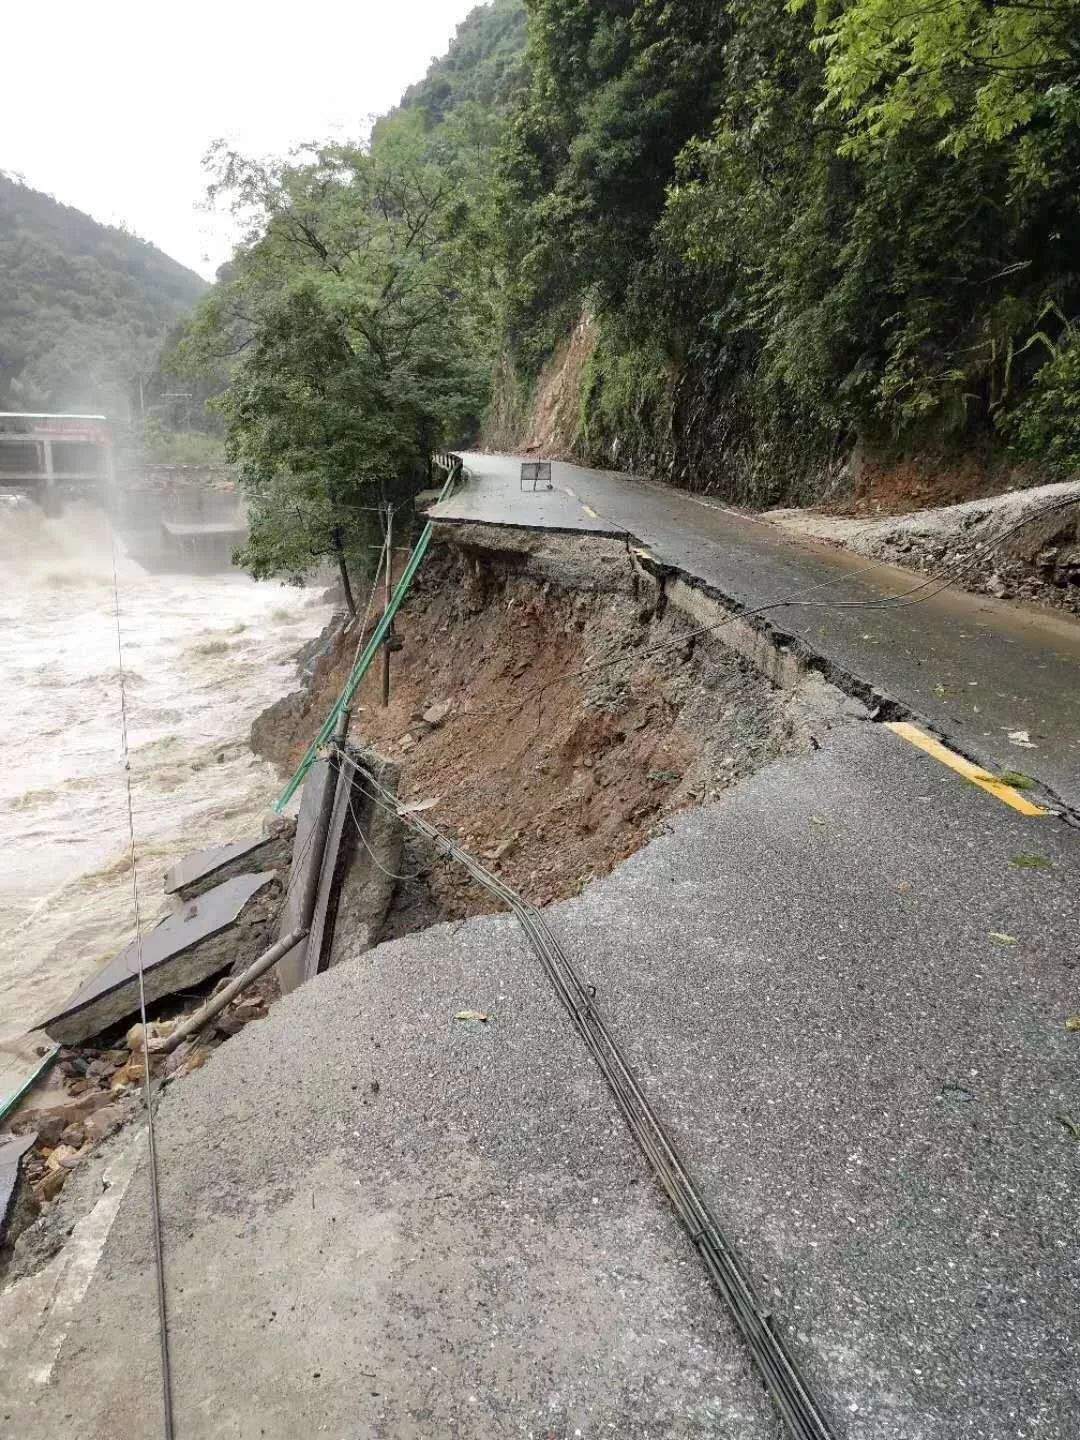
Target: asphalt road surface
846,987
978,670
848,1003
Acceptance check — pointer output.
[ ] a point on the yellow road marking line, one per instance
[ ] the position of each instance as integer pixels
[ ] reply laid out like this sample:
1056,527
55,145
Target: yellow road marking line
590,511
975,773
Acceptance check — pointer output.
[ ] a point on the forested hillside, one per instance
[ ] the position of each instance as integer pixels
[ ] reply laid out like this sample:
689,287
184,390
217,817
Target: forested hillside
752,247
83,307
796,229
483,67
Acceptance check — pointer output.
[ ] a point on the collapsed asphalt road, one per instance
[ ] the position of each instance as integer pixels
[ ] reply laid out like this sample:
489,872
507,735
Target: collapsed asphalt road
980,670
844,987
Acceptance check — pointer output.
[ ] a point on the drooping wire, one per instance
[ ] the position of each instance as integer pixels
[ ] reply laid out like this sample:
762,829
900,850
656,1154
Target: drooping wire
776,1365
148,1094
390,874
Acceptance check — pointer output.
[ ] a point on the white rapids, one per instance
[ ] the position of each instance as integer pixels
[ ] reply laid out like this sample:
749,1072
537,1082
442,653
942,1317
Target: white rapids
203,654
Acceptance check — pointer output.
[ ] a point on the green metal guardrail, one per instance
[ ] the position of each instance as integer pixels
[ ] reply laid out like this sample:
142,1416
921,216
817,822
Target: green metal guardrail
455,466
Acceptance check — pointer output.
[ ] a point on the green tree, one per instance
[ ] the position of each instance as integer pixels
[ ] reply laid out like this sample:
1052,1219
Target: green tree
984,70
796,228
352,357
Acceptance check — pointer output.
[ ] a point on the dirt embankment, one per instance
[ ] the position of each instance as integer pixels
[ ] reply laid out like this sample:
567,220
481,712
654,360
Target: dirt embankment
546,418
551,701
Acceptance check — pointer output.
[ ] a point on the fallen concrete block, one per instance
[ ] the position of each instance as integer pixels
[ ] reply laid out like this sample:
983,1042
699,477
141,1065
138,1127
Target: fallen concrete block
12,1151
369,860
223,927
201,871
343,874
309,842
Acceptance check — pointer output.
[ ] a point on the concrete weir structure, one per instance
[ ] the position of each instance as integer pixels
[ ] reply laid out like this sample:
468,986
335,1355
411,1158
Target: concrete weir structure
41,452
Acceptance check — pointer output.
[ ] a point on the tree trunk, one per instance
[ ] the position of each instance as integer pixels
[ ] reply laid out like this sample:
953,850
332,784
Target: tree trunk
339,550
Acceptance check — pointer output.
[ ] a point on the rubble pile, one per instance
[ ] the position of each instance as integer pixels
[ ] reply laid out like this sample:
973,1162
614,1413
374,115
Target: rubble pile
95,1090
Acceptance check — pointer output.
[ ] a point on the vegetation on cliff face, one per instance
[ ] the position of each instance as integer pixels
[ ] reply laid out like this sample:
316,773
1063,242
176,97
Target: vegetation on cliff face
83,306
799,227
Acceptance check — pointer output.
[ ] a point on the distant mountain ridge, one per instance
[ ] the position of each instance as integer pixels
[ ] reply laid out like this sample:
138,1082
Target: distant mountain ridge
84,307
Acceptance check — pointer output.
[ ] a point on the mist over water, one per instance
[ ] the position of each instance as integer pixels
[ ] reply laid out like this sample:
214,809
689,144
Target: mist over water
203,654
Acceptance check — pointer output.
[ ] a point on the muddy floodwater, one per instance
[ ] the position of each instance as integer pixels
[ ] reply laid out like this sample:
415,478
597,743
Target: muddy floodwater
202,654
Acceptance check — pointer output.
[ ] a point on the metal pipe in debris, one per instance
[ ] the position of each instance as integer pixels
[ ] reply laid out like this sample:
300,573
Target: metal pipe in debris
214,1006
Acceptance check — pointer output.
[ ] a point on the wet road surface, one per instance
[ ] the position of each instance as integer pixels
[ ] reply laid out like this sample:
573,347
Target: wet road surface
978,670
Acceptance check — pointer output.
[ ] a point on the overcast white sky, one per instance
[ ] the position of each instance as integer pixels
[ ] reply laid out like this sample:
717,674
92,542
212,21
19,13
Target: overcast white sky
111,106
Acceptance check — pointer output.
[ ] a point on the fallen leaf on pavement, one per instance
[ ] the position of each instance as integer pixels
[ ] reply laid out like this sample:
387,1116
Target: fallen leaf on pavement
1017,780
1070,1125
1030,862
1073,1022
1002,938
476,1015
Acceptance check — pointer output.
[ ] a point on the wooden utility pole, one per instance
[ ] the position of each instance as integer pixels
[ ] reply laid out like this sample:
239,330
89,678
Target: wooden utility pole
339,551
387,590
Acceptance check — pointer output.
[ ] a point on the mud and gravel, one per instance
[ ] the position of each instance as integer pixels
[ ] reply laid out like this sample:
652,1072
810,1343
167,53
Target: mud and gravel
549,698
1023,545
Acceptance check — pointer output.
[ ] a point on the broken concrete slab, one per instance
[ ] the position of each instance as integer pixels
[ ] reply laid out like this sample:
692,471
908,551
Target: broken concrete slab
218,929
359,869
22,1059
201,871
344,871
12,1150
309,842
331,875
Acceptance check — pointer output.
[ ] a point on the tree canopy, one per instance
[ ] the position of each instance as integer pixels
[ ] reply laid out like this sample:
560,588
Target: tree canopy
796,227
353,356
